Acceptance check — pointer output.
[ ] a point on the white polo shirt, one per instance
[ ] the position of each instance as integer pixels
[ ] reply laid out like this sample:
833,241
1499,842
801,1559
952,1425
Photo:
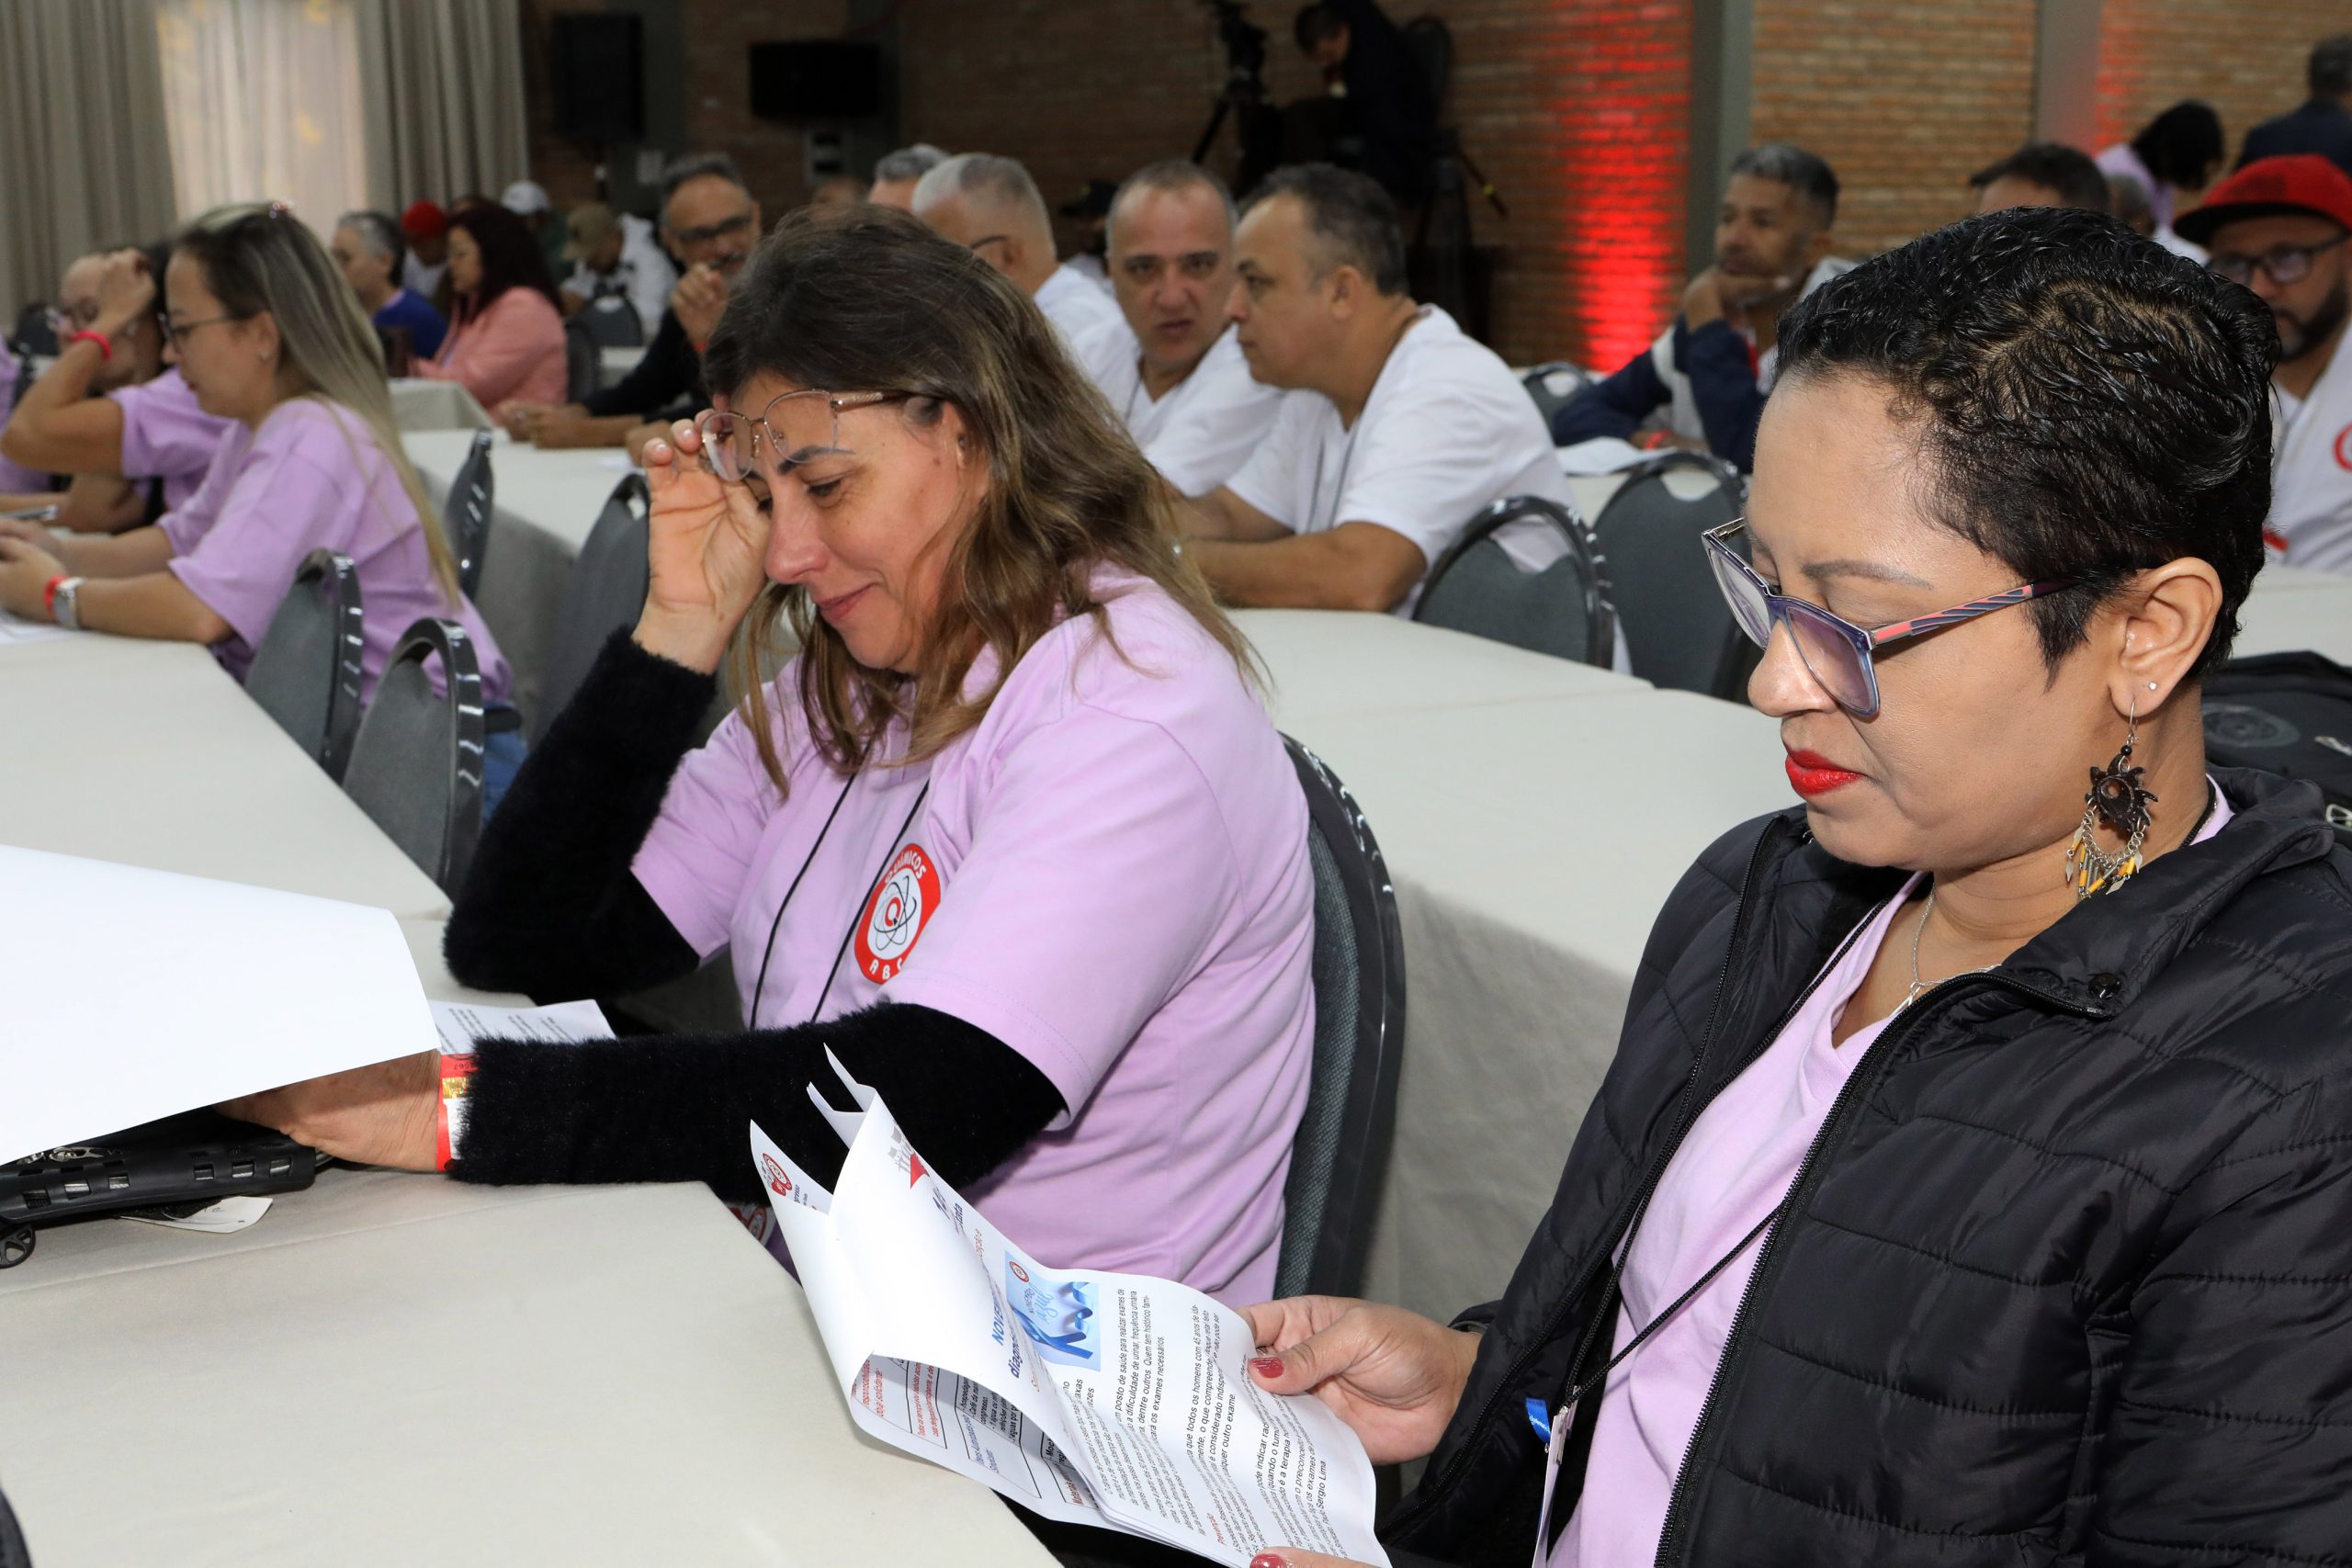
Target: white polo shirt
1077,308
1199,431
1447,429
2311,470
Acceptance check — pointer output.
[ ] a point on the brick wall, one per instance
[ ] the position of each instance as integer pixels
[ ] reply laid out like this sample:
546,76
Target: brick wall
1573,108
1903,102
2245,60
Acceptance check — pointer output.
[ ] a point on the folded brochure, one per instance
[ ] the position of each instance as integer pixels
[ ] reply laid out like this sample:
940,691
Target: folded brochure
1086,1396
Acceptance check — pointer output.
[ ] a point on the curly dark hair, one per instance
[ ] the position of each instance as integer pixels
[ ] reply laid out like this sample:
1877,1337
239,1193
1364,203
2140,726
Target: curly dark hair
2088,405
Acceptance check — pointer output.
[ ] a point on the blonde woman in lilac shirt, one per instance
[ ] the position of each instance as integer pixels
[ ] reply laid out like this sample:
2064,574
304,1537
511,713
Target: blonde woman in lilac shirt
270,339
1013,835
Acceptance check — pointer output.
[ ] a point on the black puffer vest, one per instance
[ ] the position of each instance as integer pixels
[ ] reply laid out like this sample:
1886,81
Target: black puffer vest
2066,1277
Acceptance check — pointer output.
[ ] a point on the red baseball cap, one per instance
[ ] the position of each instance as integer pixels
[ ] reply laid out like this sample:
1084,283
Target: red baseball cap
2267,186
424,221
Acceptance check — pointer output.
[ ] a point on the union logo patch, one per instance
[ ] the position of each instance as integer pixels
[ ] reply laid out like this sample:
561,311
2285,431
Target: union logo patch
902,902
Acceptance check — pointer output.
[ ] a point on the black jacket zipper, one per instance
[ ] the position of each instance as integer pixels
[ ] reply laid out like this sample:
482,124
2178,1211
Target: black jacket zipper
1627,1213
1872,1065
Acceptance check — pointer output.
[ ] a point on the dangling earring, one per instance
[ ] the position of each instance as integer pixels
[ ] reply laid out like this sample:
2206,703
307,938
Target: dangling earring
2118,798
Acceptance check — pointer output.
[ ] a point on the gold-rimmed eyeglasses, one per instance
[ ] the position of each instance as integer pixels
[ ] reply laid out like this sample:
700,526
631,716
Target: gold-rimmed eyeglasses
795,427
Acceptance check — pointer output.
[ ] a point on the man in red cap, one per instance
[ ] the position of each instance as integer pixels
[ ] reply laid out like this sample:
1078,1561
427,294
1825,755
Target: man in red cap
426,229
2279,226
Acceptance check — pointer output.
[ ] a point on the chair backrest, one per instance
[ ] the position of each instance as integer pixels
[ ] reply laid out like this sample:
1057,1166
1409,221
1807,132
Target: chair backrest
1552,384
613,321
12,1554
306,673
1341,1150
605,593
1564,610
1679,632
32,333
581,367
466,514
416,764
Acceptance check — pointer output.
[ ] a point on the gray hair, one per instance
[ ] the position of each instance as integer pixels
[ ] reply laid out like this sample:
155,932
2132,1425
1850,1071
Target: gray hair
1001,182
379,231
696,166
910,162
2330,71
1173,174
1804,173
1352,219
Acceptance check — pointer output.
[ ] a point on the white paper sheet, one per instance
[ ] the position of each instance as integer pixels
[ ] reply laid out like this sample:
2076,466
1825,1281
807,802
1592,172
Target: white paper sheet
1088,1396
15,629
134,994
460,1024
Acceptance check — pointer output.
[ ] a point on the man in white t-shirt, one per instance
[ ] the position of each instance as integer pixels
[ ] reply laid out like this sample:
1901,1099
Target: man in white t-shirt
1171,370
992,206
1401,429
616,253
2279,226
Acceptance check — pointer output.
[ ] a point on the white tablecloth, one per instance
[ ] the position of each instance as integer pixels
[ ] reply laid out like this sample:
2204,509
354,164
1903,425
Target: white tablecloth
421,404
398,1370
149,754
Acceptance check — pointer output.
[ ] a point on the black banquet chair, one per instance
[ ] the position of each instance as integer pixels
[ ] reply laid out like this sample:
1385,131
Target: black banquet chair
583,366
306,673
1552,384
605,593
1341,1150
466,514
416,764
1679,632
612,322
1564,609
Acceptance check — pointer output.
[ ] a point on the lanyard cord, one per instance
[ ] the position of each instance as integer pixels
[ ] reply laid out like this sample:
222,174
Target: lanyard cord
768,956
1568,1400
872,883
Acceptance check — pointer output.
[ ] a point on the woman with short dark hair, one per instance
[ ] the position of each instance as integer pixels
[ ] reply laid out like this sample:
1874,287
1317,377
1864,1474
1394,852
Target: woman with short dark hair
505,342
1010,836
2172,157
1973,1183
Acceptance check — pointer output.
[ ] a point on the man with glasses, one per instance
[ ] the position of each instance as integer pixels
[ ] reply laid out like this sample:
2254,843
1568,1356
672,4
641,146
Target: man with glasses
2279,226
710,221
991,205
1172,370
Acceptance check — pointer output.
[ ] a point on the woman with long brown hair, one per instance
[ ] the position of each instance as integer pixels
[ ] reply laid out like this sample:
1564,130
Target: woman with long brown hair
1013,835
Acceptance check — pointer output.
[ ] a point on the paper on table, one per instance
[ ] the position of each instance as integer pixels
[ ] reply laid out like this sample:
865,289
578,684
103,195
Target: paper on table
1602,455
1088,1397
15,629
135,994
461,1024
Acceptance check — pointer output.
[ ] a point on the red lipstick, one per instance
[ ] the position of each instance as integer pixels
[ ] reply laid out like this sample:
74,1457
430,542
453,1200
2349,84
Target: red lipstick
1812,774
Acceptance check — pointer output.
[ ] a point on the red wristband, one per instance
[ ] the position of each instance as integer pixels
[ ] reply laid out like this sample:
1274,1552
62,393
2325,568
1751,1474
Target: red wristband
454,1071
48,595
104,347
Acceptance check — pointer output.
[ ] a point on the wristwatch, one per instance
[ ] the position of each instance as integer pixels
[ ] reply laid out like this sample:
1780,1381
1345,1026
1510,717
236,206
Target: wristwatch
65,607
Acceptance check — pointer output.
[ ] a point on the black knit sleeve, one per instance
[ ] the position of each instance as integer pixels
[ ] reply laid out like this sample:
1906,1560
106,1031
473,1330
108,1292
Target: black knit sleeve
676,1107
550,906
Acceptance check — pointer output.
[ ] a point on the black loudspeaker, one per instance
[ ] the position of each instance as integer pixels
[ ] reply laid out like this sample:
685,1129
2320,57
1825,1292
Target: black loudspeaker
598,75
816,79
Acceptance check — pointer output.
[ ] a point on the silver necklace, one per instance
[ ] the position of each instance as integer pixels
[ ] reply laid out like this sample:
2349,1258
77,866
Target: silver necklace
1917,984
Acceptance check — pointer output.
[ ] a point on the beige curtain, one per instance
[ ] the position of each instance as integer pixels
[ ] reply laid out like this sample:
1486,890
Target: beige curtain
441,86
82,121
263,101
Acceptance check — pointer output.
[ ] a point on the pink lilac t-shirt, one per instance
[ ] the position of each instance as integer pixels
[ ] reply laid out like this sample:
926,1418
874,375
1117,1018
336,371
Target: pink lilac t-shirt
313,477
15,478
1109,874
167,435
1733,1168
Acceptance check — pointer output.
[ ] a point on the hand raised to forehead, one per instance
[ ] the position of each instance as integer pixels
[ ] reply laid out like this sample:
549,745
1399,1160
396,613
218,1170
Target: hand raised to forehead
706,550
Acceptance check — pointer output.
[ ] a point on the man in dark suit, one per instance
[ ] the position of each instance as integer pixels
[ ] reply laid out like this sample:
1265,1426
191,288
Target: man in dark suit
2324,125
